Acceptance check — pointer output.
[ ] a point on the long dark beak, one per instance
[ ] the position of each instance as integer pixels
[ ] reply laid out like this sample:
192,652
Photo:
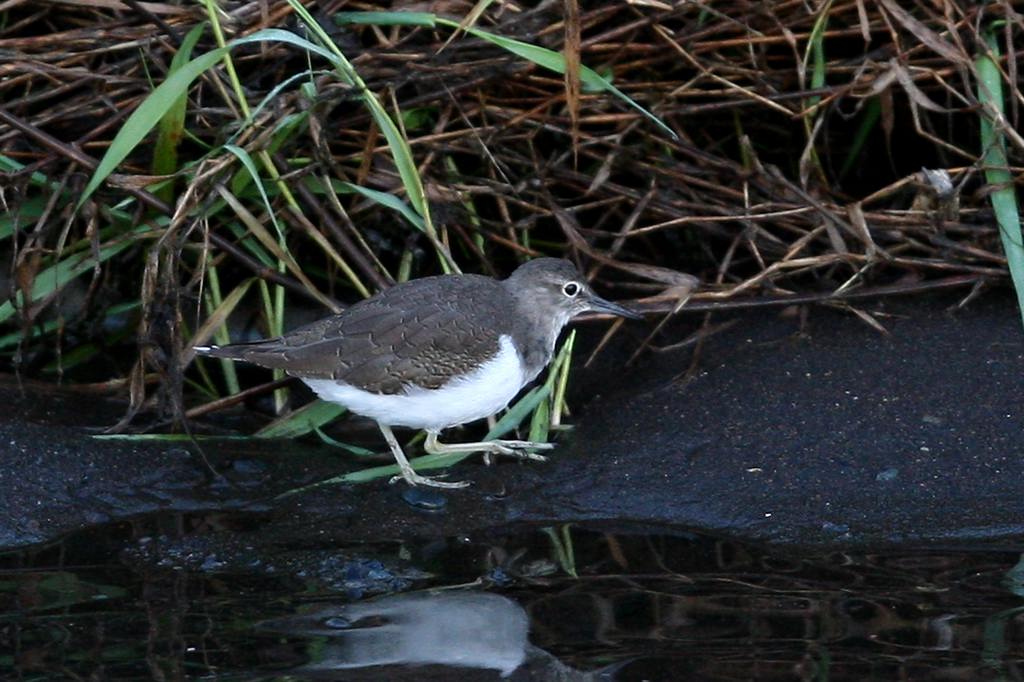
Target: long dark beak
598,305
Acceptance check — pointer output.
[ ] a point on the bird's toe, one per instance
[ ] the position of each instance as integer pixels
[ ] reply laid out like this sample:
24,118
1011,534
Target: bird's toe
430,482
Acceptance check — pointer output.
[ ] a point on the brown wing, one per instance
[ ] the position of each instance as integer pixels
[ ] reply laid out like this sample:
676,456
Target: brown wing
419,333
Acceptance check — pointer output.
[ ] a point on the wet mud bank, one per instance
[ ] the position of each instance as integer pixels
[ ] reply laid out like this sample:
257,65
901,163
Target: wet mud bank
823,433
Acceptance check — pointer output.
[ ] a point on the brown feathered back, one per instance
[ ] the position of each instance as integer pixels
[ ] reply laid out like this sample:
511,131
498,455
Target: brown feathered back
394,339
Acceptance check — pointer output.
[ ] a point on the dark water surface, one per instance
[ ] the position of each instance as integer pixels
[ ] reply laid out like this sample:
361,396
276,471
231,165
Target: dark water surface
108,603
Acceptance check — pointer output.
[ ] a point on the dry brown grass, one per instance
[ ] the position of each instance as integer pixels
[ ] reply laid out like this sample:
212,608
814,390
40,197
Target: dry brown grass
803,128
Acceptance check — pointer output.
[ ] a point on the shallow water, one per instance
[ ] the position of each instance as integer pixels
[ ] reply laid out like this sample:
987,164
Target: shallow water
127,602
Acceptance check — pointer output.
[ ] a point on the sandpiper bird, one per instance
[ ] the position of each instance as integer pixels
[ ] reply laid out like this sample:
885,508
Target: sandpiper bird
435,352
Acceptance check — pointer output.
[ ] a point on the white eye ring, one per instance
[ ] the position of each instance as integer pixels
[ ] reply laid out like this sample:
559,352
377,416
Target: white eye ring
571,289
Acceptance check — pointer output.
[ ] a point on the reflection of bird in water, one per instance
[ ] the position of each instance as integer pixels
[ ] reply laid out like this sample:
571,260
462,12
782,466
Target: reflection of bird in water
424,636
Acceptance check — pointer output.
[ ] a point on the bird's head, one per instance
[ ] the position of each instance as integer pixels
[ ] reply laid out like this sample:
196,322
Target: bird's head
553,286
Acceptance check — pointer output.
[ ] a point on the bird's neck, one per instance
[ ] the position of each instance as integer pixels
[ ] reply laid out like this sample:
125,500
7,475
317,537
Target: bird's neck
536,338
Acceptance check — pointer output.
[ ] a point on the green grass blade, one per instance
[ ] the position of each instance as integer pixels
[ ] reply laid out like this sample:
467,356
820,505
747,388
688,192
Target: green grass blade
276,35
347,447
51,326
172,125
217,312
267,99
304,420
165,437
425,463
63,271
561,380
519,412
816,52
9,165
561,545
869,121
541,56
254,174
994,160
28,211
384,199
423,19
540,422
146,116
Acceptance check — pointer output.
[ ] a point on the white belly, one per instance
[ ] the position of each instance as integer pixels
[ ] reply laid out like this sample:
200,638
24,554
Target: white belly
475,396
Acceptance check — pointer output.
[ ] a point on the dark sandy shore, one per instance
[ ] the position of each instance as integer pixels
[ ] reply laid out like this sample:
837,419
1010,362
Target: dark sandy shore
826,435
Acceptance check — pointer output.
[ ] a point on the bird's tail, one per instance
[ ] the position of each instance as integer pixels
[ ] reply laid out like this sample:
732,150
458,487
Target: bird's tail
231,352
265,353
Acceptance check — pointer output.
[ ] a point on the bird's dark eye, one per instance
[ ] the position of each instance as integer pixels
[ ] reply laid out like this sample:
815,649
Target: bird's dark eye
571,289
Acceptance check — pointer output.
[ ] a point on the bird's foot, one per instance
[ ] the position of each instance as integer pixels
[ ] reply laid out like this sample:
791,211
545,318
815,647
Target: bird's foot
522,449
414,479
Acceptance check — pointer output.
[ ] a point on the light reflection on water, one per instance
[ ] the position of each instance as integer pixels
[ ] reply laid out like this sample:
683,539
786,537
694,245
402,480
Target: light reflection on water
506,606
